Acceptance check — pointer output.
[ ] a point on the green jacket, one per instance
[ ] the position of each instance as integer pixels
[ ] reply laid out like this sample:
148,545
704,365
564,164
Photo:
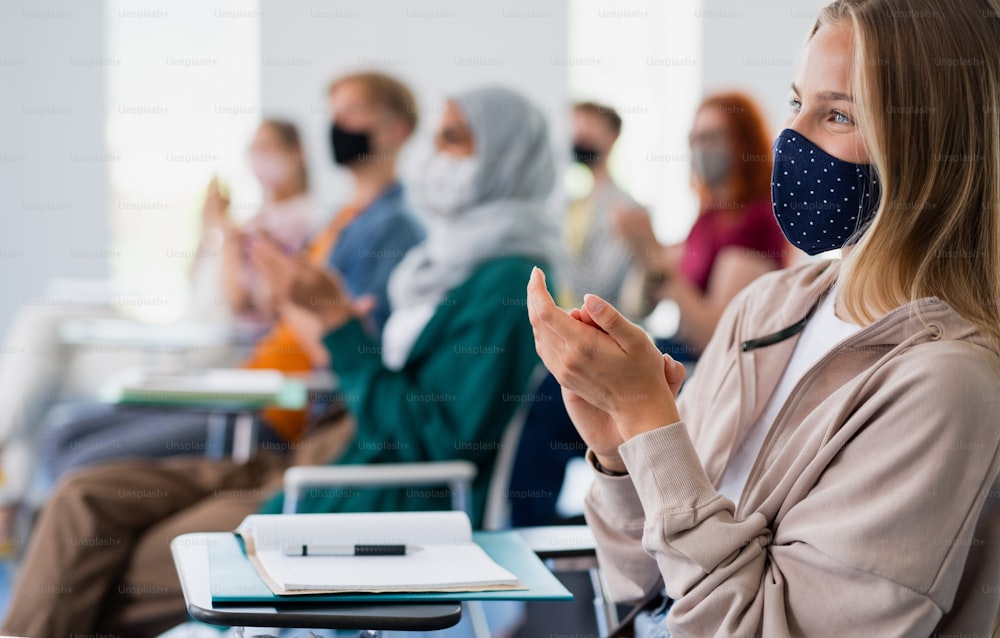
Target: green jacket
465,376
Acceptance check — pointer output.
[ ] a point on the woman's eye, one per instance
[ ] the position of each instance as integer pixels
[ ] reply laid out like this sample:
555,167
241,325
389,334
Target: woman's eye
840,118
795,105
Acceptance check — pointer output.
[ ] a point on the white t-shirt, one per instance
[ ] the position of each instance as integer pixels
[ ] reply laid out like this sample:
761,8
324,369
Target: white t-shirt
822,332
401,331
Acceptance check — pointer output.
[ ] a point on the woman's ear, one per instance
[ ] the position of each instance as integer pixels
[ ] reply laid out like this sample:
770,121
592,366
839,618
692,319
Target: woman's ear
399,132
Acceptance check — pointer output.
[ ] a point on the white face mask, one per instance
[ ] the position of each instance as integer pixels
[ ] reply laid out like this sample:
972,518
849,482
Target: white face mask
445,184
272,170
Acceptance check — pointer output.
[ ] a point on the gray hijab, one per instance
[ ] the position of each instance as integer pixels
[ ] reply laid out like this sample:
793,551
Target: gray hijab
508,216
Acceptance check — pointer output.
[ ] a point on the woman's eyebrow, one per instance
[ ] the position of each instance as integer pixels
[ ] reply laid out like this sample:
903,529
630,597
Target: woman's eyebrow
833,96
827,96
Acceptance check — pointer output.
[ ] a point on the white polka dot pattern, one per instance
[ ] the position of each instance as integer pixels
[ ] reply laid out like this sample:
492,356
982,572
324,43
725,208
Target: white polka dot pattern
821,202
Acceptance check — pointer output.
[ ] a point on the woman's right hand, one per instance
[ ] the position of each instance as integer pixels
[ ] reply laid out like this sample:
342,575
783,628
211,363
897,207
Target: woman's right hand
597,429
595,426
673,371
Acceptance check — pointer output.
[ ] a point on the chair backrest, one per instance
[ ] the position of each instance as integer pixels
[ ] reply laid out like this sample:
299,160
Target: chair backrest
497,514
457,475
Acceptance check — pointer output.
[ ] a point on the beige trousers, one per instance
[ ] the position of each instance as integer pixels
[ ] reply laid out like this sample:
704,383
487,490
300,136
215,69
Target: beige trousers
99,560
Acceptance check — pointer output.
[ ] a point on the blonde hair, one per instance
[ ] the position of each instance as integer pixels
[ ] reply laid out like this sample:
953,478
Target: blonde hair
926,81
386,91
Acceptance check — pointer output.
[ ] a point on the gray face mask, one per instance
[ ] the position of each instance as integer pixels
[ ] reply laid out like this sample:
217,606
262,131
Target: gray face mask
711,165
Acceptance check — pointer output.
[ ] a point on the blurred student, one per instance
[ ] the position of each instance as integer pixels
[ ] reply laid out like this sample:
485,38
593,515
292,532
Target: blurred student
278,162
735,238
596,257
372,116
33,383
833,467
437,387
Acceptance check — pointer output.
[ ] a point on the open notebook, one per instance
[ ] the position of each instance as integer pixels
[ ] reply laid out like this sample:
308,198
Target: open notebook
440,557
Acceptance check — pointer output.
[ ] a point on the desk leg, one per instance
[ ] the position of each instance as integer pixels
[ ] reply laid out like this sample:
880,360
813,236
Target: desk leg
218,430
244,437
477,618
604,608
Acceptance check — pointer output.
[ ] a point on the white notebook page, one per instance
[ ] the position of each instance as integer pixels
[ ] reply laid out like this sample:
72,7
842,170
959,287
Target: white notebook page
441,555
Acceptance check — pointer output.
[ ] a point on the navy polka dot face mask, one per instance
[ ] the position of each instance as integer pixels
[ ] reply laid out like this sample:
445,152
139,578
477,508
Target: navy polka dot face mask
820,201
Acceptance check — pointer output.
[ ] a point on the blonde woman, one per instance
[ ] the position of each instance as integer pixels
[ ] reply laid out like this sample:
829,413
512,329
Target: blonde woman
832,467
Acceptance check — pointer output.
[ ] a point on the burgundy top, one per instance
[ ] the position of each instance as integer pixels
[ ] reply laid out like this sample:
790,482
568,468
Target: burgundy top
756,230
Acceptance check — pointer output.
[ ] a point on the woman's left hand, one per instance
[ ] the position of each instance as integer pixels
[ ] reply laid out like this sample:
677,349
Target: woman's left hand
608,361
295,280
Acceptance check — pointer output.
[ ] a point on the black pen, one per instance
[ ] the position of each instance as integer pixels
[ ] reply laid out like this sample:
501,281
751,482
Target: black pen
346,550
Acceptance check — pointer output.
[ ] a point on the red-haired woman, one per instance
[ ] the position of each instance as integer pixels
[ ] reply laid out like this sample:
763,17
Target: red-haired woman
735,238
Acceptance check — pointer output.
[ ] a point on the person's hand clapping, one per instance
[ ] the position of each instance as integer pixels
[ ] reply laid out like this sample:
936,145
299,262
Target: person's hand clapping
608,363
293,279
215,212
673,371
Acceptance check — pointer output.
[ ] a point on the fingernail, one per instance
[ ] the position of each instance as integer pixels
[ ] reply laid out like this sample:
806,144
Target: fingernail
593,304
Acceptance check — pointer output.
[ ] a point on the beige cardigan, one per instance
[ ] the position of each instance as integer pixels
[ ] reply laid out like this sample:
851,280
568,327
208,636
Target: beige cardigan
873,508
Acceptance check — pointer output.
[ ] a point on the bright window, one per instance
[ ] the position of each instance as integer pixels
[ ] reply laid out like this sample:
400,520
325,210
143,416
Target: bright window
183,102
643,58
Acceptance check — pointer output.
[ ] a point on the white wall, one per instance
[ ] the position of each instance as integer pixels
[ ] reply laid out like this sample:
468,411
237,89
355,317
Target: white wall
438,48
756,48
53,158
182,106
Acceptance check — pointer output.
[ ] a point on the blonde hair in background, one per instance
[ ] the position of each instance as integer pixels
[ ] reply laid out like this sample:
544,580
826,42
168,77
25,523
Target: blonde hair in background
386,91
926,80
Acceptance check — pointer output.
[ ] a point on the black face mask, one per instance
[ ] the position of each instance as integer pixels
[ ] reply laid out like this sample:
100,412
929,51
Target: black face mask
585,155
347,146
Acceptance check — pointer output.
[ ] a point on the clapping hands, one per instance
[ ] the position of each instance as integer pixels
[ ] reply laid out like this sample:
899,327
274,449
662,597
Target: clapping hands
616,383
293,279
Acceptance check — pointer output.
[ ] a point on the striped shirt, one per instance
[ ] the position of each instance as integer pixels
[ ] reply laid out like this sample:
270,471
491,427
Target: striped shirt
596,260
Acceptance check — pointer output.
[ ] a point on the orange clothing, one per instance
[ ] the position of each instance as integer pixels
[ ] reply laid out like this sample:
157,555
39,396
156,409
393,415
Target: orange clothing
280,349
